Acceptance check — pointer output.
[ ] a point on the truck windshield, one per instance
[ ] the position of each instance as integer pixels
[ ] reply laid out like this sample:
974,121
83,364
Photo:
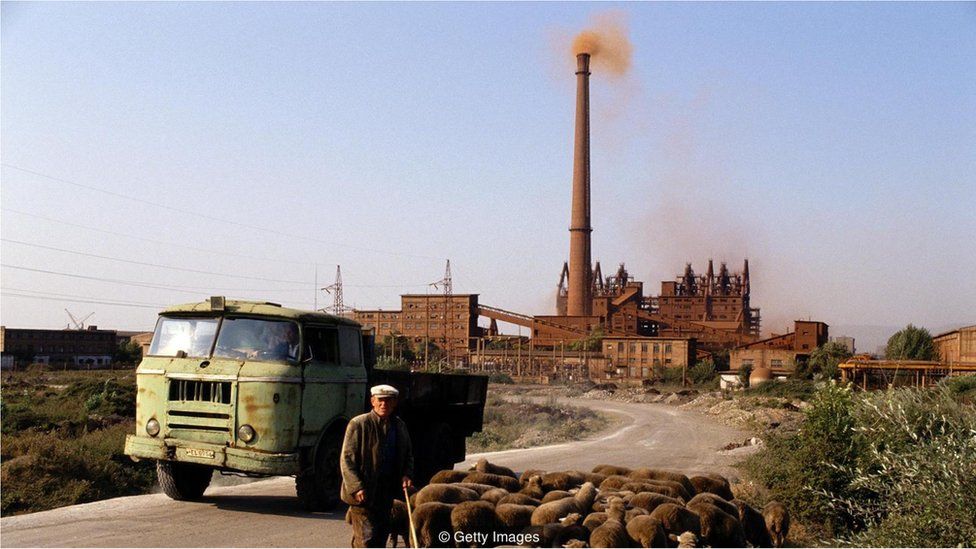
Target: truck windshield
258,339
193,336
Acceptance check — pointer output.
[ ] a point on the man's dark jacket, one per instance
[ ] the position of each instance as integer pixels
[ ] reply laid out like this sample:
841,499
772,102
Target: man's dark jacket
360,461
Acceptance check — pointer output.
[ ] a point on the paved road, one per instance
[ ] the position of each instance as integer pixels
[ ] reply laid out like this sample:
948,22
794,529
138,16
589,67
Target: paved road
266,514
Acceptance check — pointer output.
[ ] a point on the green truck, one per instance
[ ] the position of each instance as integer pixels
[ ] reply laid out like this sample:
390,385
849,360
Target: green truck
253,388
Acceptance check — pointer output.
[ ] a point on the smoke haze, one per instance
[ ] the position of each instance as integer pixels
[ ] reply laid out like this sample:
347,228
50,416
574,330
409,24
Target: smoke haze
606,41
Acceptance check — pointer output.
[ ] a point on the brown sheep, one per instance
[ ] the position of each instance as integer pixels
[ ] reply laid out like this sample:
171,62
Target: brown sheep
672,489
399,523
444,493
447,476
555,495
754,524
474,517
520,499
480,488
529,473
513,517
676,519
533,487
661,474
570,528
580,503
575,544
708,497
685,540
595,478
612,470
552,534
718,528
614,482
499,481
645,531
650,500
714,484
430,519
777,522
635,512
593,520
494,496
613,532
562,480
483,466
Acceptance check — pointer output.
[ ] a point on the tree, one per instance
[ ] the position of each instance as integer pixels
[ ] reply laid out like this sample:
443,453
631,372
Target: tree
911,343
825,358
128,352
592,342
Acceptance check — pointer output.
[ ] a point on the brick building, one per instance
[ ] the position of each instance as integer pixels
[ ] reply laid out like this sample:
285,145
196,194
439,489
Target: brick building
91,346
780,353
635,358
449,322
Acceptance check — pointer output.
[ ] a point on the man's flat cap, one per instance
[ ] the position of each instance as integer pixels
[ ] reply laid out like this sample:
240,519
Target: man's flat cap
383,391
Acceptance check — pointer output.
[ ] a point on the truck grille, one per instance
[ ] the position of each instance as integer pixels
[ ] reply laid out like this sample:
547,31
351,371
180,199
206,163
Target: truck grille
188,390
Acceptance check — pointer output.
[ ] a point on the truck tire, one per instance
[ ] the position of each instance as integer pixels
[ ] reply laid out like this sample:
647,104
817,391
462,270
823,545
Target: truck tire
183,481
318,488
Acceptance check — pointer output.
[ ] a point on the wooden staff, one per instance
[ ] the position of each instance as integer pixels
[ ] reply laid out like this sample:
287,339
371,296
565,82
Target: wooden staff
413,531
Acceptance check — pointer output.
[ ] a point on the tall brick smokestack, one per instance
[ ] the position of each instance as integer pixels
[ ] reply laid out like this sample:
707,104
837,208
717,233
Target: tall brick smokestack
579,300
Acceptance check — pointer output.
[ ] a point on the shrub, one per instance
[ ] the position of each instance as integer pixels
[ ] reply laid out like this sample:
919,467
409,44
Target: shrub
824,360
918,469
45,470
797,469
744,372
703,372
501,378
387,363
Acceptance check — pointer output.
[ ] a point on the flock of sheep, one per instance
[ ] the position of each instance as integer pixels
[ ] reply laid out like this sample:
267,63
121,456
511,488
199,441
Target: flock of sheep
610,507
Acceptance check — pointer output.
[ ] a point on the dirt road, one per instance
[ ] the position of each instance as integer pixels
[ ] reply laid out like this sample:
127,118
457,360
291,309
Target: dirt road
266,514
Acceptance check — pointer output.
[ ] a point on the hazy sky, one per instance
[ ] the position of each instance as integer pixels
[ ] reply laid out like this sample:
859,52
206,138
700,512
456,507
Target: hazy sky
157,153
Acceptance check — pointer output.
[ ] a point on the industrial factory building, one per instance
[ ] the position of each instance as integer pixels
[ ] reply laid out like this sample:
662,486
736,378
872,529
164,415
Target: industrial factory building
90,346
450,322
691,314
780,353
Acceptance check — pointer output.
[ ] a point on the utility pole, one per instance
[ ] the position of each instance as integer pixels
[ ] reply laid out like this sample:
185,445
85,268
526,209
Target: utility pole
336,291
447,285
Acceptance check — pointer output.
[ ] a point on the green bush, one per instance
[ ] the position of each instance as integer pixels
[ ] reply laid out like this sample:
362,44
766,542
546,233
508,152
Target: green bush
910,343
703,372
962,388
387,363
918,467
45,470
501,378
799,469
890,468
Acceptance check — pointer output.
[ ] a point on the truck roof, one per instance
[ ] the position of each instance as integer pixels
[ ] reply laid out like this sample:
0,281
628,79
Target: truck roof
262,308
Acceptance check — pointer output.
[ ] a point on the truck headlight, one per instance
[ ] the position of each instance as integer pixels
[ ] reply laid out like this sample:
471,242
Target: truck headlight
246,433
152,427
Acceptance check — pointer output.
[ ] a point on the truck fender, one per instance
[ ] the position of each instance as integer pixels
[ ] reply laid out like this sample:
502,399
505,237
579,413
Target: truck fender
337,424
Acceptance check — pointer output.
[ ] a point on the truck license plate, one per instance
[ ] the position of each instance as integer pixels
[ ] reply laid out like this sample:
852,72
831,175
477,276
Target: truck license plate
193,452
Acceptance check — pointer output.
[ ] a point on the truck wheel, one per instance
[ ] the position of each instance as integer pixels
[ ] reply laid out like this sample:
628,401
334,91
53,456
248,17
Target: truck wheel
183,481
318,489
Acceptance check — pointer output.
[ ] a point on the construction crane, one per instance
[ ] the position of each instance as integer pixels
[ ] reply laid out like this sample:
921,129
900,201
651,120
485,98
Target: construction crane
78,324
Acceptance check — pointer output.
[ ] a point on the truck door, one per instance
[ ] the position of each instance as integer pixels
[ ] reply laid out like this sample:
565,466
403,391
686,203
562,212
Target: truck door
326,378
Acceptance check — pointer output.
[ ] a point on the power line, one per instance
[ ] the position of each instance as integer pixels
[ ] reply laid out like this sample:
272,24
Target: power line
139,284
145,264
153,241
231,254
74,299
184,211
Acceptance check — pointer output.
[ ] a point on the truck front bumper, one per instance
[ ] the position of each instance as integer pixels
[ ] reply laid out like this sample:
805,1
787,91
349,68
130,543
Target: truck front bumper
220,457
